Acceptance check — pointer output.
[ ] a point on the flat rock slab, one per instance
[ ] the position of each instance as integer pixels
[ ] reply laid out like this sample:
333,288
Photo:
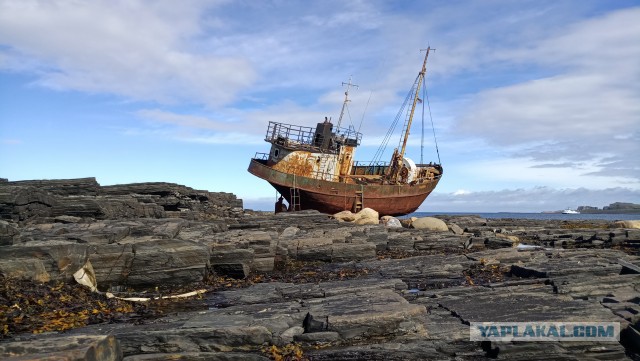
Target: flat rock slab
198,356
556,264
416,307
43,261
273,314
168,262
524,304
423,272
369,313
560,351
335,288
360,313
578,273
624,287
248,328
63,348
280,291
222,336
274,318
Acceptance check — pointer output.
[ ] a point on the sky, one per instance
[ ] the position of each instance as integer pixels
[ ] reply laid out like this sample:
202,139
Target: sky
535,105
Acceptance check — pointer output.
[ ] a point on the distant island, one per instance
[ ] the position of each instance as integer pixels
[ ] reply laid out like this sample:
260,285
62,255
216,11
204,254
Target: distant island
613,208
617,207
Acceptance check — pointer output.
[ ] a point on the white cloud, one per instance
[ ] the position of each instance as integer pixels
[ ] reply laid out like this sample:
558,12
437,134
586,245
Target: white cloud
136,49
588,112
227,126
526,173
196,128
229,138
181,120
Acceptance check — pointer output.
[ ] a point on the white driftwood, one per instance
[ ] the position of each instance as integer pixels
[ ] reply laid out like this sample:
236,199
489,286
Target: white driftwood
147,299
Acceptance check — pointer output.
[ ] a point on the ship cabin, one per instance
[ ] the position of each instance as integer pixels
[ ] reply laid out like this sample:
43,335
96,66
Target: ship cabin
324,152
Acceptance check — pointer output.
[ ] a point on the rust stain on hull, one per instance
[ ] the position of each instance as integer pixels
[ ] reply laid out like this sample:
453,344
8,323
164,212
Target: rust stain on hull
298,163
333,197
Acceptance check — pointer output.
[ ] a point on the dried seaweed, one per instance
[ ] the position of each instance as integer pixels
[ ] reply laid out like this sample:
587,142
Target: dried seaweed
31,307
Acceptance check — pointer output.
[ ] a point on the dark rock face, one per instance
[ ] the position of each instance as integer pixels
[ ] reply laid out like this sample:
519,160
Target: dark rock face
24,200
130,233
396,293
8,232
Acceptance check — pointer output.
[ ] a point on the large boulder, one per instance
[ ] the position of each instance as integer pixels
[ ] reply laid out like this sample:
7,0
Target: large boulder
345,216
511,238
406,222
290,232
456,229
430,223
628,224
367,216
390,222
364,216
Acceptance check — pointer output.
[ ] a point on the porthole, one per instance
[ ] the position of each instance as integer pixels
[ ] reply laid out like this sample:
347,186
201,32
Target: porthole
276,153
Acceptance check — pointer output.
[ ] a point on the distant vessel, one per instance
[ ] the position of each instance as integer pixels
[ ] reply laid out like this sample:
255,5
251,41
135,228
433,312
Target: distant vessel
314,168
570,211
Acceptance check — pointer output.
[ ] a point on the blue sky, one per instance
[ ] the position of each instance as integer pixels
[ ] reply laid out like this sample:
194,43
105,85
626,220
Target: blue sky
536,104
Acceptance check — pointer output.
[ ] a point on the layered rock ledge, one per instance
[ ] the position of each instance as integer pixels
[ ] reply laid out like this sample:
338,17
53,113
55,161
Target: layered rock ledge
304,285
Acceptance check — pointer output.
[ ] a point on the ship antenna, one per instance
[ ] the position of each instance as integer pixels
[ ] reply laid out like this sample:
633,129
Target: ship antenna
415,102
346,98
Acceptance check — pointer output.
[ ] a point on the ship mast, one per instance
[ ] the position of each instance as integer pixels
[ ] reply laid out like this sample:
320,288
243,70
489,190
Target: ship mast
346,99
413,107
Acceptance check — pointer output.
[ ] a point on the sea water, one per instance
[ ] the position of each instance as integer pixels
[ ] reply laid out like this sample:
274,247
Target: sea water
550,216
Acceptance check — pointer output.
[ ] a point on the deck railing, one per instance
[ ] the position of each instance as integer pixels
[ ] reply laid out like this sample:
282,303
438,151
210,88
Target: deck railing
261,156
305,135
370,168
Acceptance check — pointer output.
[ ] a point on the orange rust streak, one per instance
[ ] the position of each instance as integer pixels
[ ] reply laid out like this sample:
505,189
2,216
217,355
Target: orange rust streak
297,163
345,160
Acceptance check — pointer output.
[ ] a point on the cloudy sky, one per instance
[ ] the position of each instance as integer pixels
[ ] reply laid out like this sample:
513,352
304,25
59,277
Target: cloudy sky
536,104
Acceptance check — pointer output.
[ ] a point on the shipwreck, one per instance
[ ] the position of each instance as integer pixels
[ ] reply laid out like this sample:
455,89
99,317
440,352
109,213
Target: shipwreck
314,168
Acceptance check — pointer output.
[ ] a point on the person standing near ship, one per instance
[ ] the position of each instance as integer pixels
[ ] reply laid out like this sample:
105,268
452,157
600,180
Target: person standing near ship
280,206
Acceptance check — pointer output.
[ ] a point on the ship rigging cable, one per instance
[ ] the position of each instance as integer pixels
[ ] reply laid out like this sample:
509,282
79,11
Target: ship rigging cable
413,92
384,63
435,141
392,128
365,111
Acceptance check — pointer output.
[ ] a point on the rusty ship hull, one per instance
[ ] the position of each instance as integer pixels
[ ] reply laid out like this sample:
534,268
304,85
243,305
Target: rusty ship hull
332,197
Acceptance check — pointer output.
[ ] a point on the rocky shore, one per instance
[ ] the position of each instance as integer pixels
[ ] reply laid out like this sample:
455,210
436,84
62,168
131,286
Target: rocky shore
300,285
